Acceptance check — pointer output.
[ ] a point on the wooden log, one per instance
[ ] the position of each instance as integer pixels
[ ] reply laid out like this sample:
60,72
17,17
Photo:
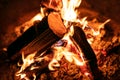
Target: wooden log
41,43
38,37
80,38
56,24
55,31
27,37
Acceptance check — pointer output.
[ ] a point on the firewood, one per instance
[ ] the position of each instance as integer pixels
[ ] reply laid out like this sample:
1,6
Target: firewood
27,37
38,37
41,43
55,24
48,37
80,38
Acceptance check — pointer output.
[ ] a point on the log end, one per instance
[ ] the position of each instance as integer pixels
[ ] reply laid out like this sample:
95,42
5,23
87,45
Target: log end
56,24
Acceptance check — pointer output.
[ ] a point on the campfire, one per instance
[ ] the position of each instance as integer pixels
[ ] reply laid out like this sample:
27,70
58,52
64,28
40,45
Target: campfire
58,43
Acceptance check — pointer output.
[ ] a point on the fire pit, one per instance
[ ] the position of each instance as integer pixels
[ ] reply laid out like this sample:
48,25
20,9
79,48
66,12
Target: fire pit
62,43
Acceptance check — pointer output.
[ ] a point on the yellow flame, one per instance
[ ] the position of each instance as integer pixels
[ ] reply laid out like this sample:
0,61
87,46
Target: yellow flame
68,11
22,76
70,33
39,16
27,61
34,76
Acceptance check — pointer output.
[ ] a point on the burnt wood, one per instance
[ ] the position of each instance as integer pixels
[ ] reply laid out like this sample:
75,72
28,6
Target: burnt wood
39,37
41,43
80,38
35,30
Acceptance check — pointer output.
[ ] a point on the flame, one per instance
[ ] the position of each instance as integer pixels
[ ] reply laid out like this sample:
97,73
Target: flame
34,77
60,52
27,61
94,32
22,76
39,16
69,14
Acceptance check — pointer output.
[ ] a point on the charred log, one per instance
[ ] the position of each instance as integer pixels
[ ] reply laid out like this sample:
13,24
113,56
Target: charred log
38,37
27,37
80,39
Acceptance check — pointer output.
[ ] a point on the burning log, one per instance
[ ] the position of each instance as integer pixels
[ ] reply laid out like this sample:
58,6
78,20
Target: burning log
27,37
80,39
40,36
